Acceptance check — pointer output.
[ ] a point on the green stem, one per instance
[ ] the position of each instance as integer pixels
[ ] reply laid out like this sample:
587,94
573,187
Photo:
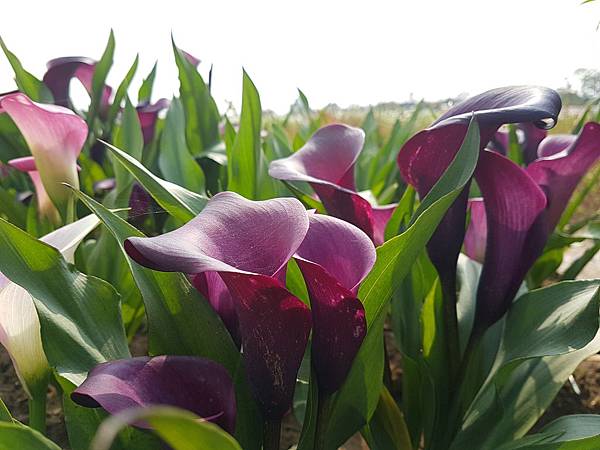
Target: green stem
272,434
323,415
451,329
37,412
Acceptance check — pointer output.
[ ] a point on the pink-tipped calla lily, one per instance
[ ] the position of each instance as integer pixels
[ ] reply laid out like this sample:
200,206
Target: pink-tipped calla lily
46,208
335,257
425,157
248,244
19,322
195,384
55,136
61,71
327,162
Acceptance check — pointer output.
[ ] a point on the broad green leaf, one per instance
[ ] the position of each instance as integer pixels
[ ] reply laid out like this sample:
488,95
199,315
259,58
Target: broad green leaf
127,136
548,333
82,424
356,401
177,201
175,161
16,436
387,428
115,106
145,92
99,79
180,429
35,89
243,162
201,113
79,315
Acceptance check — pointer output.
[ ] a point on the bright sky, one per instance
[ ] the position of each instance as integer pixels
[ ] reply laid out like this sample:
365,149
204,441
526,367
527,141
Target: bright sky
344,52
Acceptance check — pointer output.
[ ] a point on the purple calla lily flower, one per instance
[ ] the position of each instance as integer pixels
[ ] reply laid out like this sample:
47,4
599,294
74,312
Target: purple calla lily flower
148,115
326,162
61,71
248,244
335,257
425,157
565,160
196,384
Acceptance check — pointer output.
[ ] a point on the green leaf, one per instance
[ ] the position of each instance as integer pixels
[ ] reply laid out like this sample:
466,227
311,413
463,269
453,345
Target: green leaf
11,209
82,424
16,436
177,201
355,403
175,161
180,429
145,92
35,89
387,427
79,315
99,79
115,106
4,413
201,113
127,136
243,162
548,333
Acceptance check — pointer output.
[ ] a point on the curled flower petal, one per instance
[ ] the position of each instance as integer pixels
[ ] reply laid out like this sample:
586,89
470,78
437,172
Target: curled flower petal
275,327
476,235
327,158
555,144
425,157
532,137
60,72
341,249
195,384
55,136
327,161
66,239
231,234
559,174
46,208
148,115
190,58
248,243
513,204
335,258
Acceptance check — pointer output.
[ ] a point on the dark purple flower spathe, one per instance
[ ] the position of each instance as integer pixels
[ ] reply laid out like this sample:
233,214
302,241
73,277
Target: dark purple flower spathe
335,257
195,384
425,157
248,244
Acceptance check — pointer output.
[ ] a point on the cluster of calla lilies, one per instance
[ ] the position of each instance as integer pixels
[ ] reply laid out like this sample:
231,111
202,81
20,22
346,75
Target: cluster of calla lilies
302,285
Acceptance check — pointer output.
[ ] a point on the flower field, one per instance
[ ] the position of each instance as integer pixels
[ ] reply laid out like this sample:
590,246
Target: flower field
175,275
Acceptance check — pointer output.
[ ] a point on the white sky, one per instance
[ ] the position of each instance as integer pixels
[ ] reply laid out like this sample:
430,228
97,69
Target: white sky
344,52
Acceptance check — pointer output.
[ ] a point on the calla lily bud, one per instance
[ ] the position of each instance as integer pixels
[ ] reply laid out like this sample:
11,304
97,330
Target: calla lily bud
19,323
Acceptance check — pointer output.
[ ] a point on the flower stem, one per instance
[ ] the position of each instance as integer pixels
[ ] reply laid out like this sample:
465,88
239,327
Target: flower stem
37,412
272,434
449,301
323,415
